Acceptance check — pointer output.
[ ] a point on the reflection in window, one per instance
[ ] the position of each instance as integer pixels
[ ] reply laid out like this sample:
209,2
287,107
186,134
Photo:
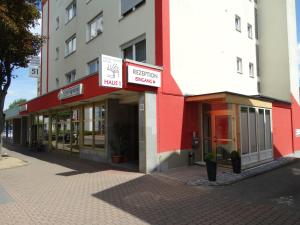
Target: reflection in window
100,112
75,130
244,131
88,126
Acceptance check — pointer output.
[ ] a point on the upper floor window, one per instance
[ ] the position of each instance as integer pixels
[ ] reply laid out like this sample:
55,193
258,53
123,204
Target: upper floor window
239,65
251,70
128,6
136,51
71,45
93,66
237,23
57,82
250,33
71,11
95,27
57,53
71,76
57,23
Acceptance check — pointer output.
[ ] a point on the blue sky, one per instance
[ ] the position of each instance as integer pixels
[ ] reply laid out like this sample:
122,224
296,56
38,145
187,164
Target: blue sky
25,87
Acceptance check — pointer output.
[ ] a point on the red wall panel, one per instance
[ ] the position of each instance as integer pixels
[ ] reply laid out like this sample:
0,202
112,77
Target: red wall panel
296,123
282,129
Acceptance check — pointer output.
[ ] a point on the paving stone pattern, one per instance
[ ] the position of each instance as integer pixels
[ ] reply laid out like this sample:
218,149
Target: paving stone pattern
60,189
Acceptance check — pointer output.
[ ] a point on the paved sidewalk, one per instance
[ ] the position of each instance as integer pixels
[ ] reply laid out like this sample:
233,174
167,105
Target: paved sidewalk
62,189
196,175
8,162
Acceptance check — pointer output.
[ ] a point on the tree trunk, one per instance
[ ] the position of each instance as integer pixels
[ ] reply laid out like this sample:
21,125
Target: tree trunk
2,118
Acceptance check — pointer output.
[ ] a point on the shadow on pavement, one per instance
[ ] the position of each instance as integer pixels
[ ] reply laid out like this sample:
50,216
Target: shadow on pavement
68,160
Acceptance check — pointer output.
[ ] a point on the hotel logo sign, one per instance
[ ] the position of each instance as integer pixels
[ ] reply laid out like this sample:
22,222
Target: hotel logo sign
138,75
70,92
111,72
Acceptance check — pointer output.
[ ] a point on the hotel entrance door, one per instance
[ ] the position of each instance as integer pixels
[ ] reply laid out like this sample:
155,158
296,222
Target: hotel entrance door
218,131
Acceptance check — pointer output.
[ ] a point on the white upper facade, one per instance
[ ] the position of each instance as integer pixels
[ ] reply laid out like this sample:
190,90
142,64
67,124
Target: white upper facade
211,48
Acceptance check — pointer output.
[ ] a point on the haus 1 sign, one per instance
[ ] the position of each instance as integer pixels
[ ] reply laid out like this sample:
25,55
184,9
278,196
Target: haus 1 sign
71,92
143,76
111,72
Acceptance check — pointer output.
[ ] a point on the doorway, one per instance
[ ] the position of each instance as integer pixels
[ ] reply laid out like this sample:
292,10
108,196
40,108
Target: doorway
218,131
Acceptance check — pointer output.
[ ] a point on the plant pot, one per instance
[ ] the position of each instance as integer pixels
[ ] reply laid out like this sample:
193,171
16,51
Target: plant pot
211,168
117,159
236,165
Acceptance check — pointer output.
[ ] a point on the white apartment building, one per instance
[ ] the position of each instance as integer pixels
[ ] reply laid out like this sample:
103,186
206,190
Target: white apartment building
197,76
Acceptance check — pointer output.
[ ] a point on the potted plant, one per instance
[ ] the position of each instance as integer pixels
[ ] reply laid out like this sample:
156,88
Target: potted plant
120,143
235,161
211,166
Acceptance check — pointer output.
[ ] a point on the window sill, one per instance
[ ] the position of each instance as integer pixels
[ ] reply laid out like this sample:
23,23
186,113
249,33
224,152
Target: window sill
70,54
90,40
69,21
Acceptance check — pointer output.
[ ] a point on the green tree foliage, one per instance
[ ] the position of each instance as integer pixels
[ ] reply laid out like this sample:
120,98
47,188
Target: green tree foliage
17,102
17,43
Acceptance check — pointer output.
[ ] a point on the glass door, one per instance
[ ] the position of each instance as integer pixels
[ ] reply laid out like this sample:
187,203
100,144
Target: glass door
218,131
222,141
63,131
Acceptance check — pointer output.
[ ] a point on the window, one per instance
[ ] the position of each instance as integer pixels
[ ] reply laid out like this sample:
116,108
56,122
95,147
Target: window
57,23
71,76
256,22
100,112
88,126
256,133
57,82
237,23
57,53
75,130
71,11
257,60
95,27
245,130
239,65
136,51
70,45
251,70
93,66
140,51
250,35
128,6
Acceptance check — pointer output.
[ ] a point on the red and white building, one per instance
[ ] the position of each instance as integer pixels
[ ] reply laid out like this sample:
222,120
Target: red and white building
220,72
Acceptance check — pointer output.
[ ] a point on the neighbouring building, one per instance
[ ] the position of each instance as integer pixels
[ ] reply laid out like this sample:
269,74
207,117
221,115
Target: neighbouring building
221,72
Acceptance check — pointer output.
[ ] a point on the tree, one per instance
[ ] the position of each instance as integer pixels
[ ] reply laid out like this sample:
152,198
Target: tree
17,102
17,43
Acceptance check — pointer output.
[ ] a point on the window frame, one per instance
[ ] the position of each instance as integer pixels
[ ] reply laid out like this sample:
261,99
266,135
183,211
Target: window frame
72,5
239,65
88,31
251,69
250,31
88,66
72,75
71,39
134,8
133,45
238,26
